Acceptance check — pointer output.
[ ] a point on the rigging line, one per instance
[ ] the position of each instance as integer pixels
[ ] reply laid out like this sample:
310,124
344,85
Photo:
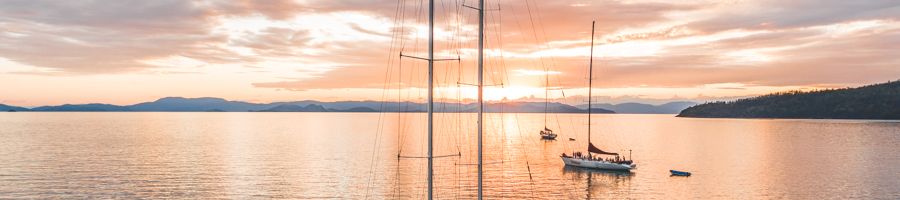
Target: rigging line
523,145
540,21
378,133
517,20
458,45
400,108
492,60
415,75
401,10
537,41
458,123
546,44
380,129
524,150
401,13
498,32
507,80
459,24
546,67
494,66
401,125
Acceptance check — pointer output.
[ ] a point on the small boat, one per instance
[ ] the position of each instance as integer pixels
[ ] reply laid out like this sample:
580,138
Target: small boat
548,134
679,173
571,139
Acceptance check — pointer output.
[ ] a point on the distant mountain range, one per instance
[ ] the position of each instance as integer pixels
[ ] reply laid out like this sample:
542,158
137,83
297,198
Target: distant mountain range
207,104
12,108
640,108
879,101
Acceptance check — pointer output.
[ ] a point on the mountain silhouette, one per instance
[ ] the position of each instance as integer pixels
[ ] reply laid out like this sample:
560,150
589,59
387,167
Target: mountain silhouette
296,108
5,108
641,108
94,107
210,104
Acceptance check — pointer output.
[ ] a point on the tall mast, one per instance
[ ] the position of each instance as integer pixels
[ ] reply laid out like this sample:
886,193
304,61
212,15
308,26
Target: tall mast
546,95
480,91
430,99
590,83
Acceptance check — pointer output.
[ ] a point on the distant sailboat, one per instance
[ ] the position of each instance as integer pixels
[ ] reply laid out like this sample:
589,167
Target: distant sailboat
578,159
547,134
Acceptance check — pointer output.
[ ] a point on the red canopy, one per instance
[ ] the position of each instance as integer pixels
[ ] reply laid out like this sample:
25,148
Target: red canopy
593,149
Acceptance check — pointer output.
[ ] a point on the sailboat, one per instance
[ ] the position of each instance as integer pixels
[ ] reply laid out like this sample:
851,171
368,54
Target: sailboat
547,134
577,159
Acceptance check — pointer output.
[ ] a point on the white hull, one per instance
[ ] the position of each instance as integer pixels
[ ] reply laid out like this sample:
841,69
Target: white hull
596,164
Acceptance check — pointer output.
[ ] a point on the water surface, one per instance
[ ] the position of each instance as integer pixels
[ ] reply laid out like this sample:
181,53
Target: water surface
355,155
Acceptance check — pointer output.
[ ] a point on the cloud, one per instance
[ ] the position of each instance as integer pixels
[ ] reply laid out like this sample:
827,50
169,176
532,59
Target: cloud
774,14
273,9
97,37
320,44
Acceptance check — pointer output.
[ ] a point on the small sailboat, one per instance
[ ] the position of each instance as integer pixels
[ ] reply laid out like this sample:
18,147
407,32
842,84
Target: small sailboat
588,160
548,134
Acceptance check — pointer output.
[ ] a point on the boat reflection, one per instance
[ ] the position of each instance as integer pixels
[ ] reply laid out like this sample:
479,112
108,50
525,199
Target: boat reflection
599,183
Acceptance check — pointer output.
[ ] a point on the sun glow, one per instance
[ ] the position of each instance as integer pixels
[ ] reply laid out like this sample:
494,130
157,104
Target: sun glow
528,72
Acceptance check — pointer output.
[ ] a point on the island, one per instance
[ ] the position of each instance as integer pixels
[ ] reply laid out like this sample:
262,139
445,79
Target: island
878,101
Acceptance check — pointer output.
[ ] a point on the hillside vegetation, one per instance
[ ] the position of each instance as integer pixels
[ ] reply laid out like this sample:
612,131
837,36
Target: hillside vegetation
879,101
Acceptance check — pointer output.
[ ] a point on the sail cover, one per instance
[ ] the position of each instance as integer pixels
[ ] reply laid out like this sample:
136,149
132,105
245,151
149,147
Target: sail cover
593,149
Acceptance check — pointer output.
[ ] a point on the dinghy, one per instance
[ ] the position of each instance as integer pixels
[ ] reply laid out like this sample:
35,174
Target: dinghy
679,173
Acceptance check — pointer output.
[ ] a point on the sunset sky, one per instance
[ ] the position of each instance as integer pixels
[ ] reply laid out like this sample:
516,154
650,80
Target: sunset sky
130,51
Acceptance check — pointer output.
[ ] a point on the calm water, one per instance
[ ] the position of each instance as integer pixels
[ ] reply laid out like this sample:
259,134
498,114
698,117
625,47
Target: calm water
330,155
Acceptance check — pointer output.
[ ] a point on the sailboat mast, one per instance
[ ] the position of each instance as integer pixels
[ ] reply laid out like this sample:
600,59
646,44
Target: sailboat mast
480,92
430,99
546,95
590,84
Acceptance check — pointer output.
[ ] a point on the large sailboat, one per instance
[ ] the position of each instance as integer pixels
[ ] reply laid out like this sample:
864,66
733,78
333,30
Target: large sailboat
604,160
